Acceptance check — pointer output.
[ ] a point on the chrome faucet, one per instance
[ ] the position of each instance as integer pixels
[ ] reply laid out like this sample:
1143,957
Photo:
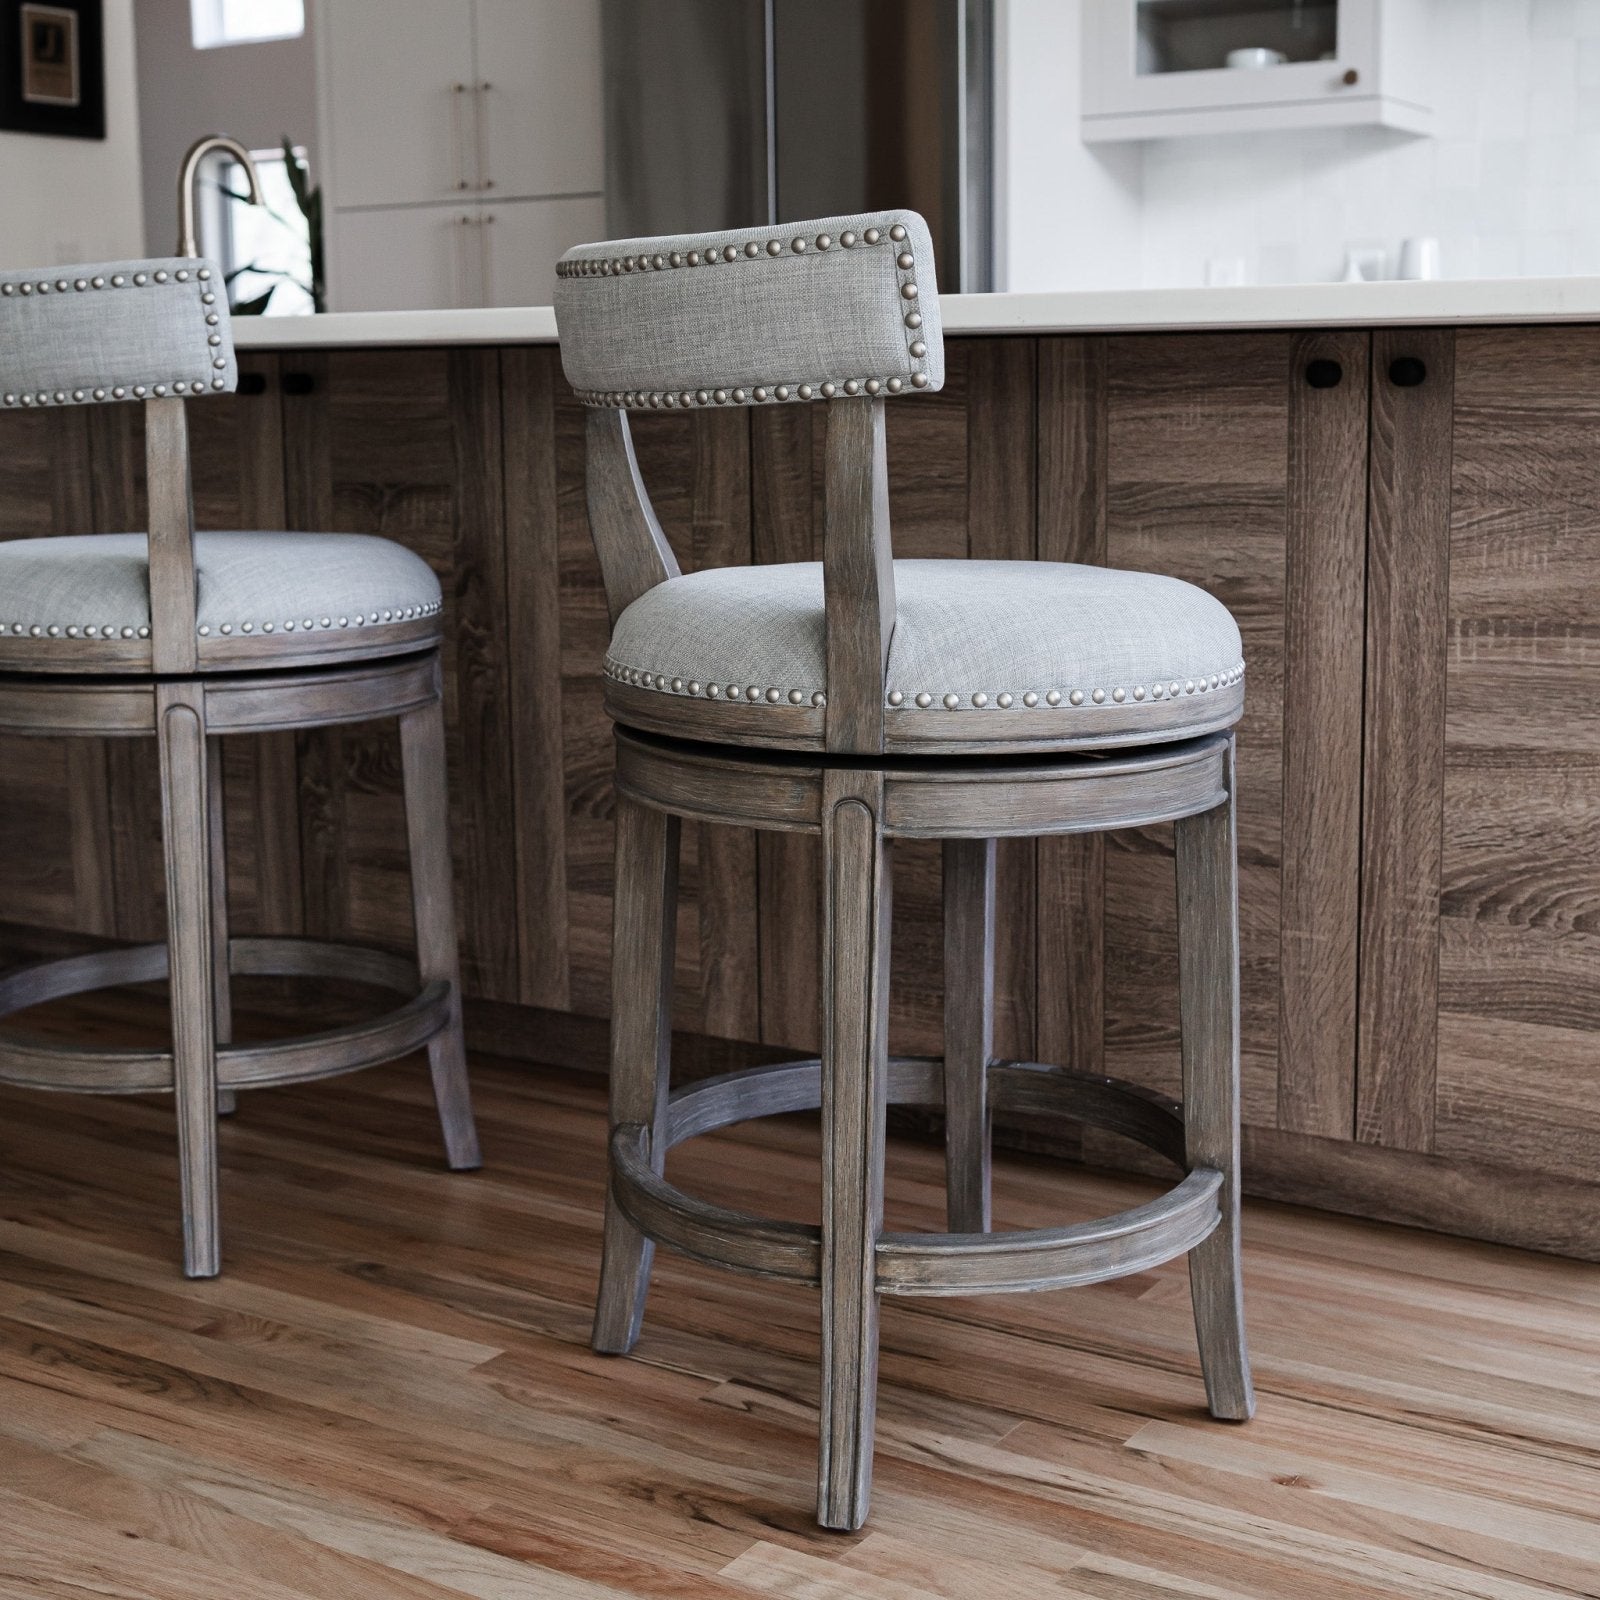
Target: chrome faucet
189,182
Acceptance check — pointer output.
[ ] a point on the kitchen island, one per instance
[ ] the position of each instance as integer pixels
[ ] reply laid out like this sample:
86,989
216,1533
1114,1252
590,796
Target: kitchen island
1395,488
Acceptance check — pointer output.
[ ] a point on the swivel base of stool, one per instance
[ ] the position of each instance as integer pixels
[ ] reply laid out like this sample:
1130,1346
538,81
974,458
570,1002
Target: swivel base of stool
37,1063
920,1263
430,1016
858,808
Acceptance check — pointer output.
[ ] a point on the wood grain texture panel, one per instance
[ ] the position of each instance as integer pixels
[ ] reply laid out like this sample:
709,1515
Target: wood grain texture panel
55,857
697,470
529,376
1070,989
1519,887
1408,561
585,728
785,473
1324,605
1197,487
116,444
237,461
418,461
931,453
1002,525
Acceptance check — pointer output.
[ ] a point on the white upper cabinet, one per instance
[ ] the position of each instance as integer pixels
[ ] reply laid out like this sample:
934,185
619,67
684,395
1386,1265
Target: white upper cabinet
396,113
463,148
522,241
1156,69
540,115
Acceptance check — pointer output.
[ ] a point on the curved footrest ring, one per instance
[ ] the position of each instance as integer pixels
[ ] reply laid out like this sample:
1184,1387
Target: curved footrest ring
40,1063
916,1263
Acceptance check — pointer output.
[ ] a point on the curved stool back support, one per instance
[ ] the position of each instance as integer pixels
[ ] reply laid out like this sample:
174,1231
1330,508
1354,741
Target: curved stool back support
844,310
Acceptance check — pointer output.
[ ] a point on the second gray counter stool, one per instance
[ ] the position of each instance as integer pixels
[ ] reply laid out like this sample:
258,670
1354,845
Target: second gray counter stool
866,699
183,637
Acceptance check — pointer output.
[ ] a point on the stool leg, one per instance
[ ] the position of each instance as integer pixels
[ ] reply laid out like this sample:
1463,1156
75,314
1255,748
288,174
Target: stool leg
855,990
1208,946
422,760
645,910
221,977
968,1028
185,833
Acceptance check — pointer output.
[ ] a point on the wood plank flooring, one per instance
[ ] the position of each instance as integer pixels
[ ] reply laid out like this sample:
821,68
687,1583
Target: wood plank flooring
389,1393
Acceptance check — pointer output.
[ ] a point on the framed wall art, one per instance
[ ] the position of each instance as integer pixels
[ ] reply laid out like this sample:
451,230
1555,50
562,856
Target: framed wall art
52,68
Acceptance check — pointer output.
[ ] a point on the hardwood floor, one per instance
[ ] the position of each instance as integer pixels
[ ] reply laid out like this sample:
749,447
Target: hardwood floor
389,1393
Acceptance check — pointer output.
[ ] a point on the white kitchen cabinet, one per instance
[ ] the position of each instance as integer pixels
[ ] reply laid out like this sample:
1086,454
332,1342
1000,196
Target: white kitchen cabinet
435,127
399,258
540,111
396,113
404,258
1156,69
521,241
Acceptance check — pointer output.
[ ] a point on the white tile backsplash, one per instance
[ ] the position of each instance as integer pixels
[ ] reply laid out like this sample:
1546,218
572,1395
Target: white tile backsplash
1510,184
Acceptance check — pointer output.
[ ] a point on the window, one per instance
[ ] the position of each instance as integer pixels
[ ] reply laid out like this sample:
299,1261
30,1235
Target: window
267,249
217,22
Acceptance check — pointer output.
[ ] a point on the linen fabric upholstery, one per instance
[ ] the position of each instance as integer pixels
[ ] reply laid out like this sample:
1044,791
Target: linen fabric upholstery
120,330
342,586
744,317
1060,640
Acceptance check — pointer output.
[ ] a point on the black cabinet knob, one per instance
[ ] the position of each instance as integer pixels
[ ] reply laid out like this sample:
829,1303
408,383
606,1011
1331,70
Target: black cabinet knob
1324,373
1406,372
299,383
252,383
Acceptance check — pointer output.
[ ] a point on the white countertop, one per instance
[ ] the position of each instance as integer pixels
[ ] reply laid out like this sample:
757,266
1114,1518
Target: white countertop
1315,305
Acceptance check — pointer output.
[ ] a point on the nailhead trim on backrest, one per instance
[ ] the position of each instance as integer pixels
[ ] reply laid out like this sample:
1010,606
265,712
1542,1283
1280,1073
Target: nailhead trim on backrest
108,392
756,253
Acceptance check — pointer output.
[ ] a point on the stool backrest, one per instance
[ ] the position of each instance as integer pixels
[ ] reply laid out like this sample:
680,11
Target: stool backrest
122,330
843,310
152,331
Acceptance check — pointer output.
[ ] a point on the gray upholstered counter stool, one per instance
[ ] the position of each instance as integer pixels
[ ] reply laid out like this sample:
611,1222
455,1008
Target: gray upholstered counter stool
184,637
865,699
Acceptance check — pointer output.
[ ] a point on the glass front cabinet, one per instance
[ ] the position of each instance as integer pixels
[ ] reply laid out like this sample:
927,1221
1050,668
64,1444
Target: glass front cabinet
1156,69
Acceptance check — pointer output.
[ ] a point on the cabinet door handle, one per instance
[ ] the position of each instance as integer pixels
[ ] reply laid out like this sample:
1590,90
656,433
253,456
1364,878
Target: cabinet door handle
252,383
1324,373
457,141
299,383
1351,78
463,233
480,133
1406,372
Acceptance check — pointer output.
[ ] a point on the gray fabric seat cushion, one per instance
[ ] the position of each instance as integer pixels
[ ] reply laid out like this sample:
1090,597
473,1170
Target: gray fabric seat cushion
969,636
98,586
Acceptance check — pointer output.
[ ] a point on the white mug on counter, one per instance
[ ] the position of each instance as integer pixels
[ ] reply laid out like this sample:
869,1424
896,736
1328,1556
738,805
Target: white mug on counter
1419,258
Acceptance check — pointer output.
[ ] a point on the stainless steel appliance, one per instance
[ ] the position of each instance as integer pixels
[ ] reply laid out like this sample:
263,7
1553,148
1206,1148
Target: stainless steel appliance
736,113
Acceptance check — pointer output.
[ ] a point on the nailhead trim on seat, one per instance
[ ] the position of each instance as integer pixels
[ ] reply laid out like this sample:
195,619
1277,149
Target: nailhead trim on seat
363,619
1006,700
109,391
787,389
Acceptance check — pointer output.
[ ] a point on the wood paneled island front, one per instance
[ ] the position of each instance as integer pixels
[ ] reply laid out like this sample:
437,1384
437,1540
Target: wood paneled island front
1405,519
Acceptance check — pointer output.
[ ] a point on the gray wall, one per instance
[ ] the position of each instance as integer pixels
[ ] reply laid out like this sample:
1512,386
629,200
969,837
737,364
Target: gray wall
256,92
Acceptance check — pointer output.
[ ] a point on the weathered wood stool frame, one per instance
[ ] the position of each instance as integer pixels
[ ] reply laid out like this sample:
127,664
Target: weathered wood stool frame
858,810
186,687
860,766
